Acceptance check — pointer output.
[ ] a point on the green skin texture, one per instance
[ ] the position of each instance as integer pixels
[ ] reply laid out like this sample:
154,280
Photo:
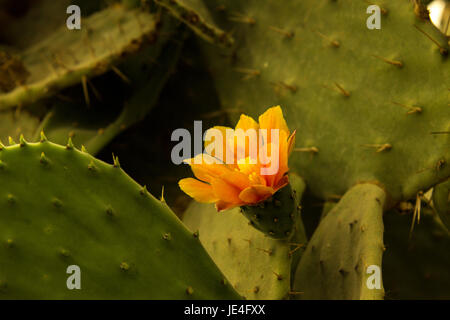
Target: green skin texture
344,129
63,58
346,242
196,15
67,208
94,129
258,266
441,202
275,216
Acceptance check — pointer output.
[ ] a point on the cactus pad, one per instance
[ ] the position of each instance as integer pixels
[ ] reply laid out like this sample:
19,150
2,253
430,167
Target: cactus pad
347,241
62,207
365,103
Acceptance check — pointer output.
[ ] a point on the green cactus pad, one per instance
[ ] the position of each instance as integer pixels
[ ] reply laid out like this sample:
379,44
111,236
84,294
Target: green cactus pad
61,207
441,202
365,103
257,266
347,241
93,127
65,57
195,14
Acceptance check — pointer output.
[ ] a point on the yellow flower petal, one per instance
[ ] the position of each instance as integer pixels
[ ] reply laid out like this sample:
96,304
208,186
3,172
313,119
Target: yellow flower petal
205,169
222,205
246,122
220,149
255,194
237,179
273,119
200,191
226,191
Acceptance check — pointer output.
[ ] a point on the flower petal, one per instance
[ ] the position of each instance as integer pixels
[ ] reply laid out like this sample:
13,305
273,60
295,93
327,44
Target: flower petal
273,119
205,169
237,179
226,191
246,122
222,205
255,194
219,147
200,191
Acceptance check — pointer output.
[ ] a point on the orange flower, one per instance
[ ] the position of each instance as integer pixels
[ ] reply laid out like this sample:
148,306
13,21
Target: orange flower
248,177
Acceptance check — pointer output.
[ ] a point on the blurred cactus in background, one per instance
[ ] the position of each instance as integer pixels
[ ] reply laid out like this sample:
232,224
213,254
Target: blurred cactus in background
363,210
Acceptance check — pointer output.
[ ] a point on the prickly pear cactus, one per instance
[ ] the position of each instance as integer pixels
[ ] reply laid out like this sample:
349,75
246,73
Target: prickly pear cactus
69,57
93,127
258,266
61,207
275,216
366,103
348,241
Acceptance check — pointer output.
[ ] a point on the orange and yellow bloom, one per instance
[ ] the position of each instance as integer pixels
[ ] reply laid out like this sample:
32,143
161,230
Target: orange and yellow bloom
245,179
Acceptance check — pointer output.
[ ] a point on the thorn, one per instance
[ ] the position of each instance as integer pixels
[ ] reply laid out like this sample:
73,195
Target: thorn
287,34
69,145
162,195
239,17
189,290
120,74
281,84
43,159
116,161
83,149
167,236
11,141
248,73
334,43
63,252
91,166
22,141
279,276
143,191
411,109
10,243
416,214
382,10
85,90
43,137
297,247
94,89
396,63
342,90
196,234
380,147
110,212
313,150
269,252
124,266
442,50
